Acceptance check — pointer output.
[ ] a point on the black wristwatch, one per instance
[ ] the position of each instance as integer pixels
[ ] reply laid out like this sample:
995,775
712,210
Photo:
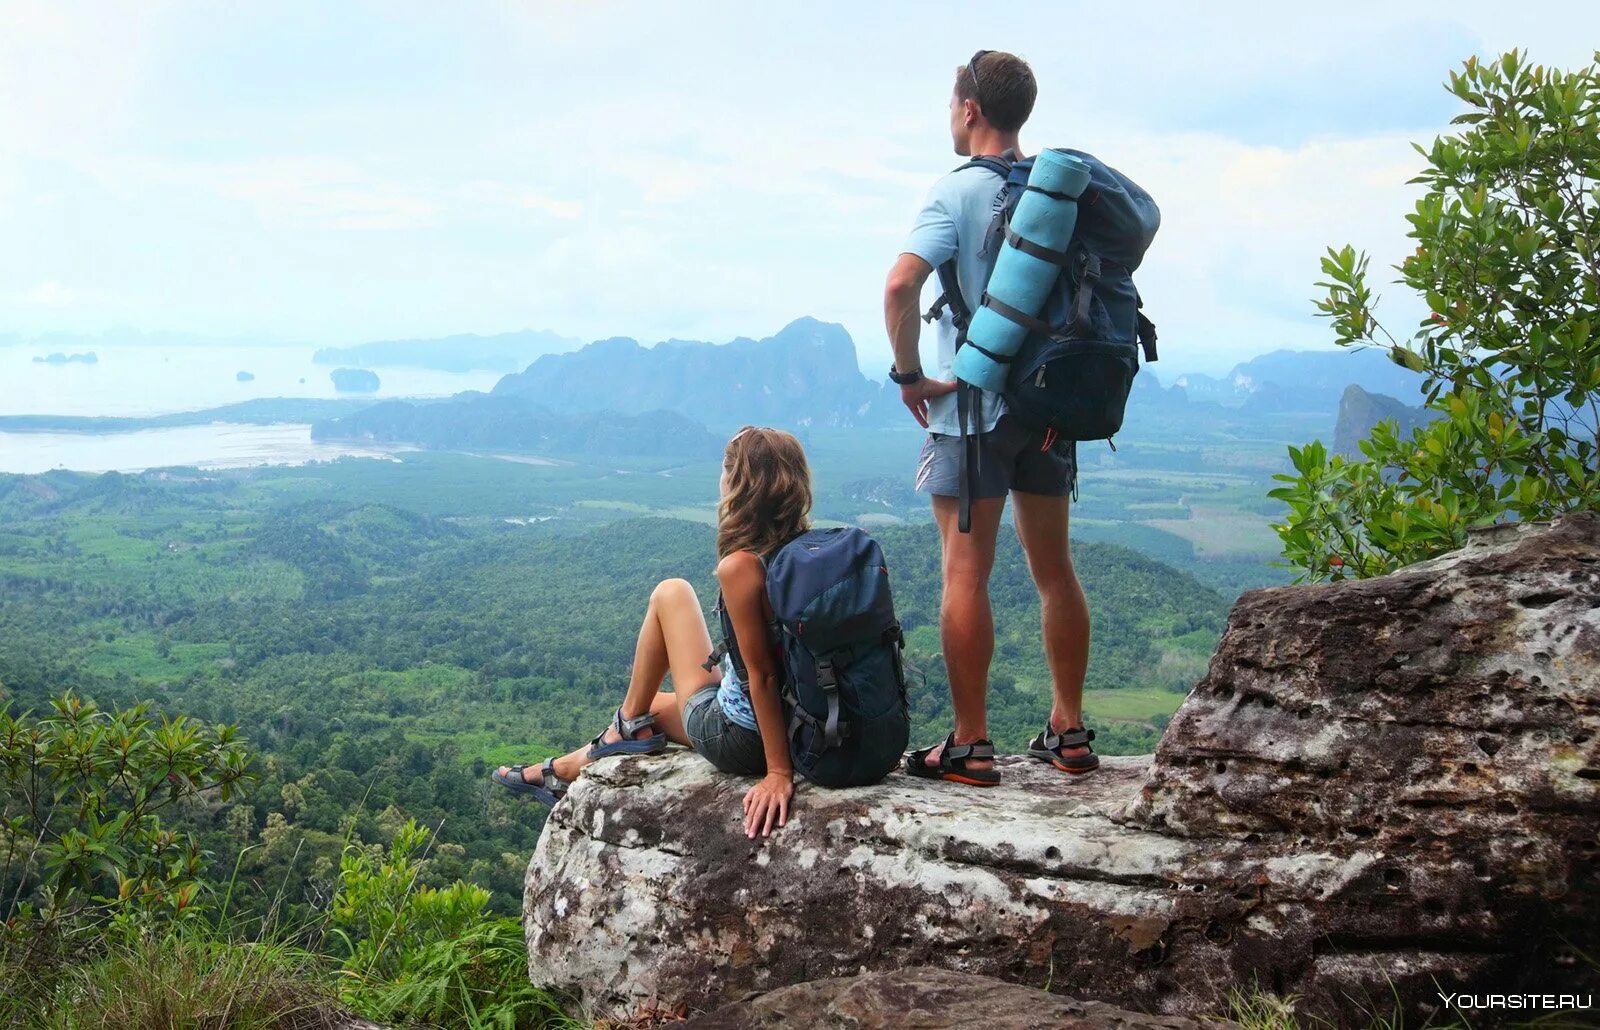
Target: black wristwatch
905,378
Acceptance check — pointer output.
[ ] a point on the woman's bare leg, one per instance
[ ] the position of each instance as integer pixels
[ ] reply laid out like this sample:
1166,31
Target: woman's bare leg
672,640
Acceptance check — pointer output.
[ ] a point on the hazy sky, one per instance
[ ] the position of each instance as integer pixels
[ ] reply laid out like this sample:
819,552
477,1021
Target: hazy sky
327,172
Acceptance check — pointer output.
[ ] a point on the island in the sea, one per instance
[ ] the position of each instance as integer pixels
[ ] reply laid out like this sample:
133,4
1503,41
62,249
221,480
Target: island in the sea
58,358
354,380
244,377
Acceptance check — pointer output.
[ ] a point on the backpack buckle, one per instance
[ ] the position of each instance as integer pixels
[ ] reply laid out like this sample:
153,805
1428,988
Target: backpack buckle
715,658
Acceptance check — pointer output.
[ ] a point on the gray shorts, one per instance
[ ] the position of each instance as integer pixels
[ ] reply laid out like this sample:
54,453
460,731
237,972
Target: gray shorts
725,744
1009,458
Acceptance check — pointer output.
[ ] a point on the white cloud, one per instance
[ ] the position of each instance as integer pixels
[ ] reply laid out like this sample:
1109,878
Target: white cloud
1243,228
566,209
640,169
312,193
71,76
485,193
48,294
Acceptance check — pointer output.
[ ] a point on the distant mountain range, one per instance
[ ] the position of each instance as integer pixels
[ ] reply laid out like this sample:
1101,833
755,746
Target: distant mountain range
805,375
505,352
590,401
59,358
478,422
1287,380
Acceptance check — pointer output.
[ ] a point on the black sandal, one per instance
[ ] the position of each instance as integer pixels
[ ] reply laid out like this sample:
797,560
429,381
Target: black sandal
550,788
1047,747
953,759
654,744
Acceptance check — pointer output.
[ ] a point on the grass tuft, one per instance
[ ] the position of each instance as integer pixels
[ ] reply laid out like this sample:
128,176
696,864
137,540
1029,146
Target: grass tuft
1258,1010
181,981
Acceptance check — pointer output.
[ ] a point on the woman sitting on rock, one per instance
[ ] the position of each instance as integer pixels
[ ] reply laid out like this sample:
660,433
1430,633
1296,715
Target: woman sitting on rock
735,722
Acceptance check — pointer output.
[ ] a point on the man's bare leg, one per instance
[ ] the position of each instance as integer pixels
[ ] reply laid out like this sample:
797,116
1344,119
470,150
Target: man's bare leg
966,622
1064,612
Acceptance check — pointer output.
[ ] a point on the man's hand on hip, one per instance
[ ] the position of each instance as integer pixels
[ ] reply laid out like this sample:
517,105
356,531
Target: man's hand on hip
916,396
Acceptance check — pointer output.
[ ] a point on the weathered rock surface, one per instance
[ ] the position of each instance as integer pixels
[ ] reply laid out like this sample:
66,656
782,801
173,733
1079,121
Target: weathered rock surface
928,998
1379,787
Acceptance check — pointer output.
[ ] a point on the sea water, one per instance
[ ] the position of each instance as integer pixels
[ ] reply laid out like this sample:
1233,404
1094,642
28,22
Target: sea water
155,380
214,446
135,380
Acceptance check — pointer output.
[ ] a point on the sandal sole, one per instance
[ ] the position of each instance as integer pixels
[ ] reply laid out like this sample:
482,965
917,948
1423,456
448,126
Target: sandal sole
935,774
621,748
952,778
1079,771
1050,759
537,791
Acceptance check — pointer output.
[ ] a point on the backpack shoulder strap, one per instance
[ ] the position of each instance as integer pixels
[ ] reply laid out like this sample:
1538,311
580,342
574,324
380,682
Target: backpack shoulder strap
950,297
724,646
999,164
949,284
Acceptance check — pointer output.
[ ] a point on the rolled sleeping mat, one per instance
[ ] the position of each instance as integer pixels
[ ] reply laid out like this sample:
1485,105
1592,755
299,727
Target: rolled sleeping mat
1044,219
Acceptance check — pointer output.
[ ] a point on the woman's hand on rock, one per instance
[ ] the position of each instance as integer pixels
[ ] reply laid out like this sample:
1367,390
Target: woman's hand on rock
766,805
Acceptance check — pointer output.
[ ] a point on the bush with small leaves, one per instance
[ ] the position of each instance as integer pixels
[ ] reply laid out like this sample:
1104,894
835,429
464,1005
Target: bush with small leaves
85,860
82,792
1508,259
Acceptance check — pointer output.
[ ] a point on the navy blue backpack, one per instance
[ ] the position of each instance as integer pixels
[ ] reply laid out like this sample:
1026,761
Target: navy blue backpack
844,675
1070,378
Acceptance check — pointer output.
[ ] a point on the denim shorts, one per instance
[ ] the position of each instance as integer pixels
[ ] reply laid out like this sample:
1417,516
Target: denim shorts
1009,458
725,744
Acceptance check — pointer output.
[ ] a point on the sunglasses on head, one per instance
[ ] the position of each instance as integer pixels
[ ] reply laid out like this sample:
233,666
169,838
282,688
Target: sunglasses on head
972,70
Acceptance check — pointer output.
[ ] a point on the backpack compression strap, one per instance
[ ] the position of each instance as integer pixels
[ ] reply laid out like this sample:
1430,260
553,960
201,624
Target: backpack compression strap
968,401
1146,330
828,732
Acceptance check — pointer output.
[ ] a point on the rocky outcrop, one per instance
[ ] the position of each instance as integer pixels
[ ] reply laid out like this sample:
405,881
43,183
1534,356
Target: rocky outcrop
1361,411
644,886
931,999
354,380
1380,789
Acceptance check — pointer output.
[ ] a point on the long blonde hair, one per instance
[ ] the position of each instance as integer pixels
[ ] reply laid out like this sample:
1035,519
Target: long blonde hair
768,498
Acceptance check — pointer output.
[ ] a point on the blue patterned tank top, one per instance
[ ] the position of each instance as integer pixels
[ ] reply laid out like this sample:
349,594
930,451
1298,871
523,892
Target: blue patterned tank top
733,693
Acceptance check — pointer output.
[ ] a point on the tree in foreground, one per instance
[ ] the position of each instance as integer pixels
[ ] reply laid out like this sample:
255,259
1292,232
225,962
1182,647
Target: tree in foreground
1508,260
108,917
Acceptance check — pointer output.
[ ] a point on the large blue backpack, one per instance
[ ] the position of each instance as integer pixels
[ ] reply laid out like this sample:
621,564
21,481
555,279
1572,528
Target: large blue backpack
844,688
1070,378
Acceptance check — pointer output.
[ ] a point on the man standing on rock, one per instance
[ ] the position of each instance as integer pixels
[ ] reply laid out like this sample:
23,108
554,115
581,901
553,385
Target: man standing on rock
993,96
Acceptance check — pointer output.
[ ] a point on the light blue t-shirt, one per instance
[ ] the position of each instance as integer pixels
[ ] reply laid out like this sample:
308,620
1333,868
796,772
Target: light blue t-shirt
954,221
